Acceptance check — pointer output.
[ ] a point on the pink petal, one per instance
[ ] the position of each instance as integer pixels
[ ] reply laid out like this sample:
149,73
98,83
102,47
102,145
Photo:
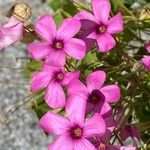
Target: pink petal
53,58
55,124
70,76
146,61
62,143
39,51
68,28
115,24
148,47
76,48
112,93
76,87
40,80
87,20
11,32
101,9
46,27
94,126
95,80
105,42
55,96
75,108
83,144
105,111
84,15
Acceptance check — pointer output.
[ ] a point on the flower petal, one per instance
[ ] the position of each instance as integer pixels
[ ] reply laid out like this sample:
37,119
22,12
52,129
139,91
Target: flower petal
105,42
56,58
105,111
38,50
70,76
115,24
148,47
87,20
40,80
55,124
101,10
63,142
76,87
46,27
95,80
112,93
75,48
83,144
68,28
94,126
55,96
75,108
146,61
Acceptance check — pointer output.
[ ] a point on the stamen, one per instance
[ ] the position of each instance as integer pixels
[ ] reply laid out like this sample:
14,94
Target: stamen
77,132
59,76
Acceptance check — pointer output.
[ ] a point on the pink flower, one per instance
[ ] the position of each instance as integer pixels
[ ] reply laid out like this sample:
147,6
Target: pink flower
130,130
73,132
56,43
10,32
53,78
98,27
146,61
96,95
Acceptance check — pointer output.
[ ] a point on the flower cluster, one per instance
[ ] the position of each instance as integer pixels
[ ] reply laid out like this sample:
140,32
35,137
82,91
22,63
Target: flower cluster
88,122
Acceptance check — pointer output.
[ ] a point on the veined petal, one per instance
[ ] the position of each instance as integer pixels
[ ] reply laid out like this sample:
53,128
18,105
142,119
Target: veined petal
55,96
94,126
70,76
75,108
76,87
112,93
83,144
115,24
63,142
68,28
76,48
101,10
56,58
105,42
95,80
39,51
46,27
55,124
40,80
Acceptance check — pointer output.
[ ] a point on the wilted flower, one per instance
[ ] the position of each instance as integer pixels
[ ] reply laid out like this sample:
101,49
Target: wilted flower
10,32
98,26
96,95
56,43
53,78
73,132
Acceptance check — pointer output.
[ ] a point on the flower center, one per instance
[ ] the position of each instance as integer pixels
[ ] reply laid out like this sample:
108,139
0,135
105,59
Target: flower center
102,146
58,45
96,96
101,29
77,132
59,76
